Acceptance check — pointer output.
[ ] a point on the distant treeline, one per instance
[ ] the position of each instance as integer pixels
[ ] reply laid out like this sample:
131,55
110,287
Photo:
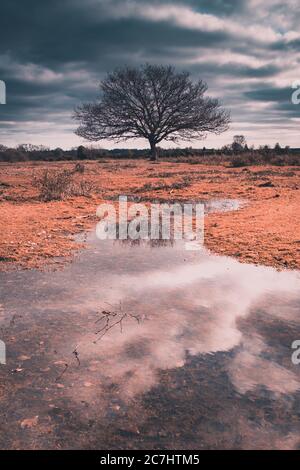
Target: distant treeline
237,154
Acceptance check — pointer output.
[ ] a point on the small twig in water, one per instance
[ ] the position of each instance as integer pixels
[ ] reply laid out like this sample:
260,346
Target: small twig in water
108,315
76,354
60,376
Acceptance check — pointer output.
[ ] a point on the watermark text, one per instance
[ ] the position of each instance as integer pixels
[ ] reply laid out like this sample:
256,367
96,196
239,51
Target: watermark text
156,221
2,92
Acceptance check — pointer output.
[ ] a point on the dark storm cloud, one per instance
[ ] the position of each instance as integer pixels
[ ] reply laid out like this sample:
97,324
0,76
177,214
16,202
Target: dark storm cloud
216,7
53,42
54,34
53,53
274,94
234,70
286,47
280,100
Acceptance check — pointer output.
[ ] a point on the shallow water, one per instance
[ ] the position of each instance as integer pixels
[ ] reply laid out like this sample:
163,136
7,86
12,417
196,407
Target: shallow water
150,347
211,205
222,205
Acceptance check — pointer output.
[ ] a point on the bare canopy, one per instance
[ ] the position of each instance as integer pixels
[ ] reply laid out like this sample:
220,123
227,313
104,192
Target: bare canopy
153,102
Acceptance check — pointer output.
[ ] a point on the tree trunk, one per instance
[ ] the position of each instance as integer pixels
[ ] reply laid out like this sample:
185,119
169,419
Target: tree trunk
154,152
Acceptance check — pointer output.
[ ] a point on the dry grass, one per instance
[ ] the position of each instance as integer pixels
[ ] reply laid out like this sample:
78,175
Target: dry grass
57,185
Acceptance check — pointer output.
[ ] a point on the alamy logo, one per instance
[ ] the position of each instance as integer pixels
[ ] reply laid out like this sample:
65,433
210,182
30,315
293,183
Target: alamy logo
296,93
296,353
2,352
153,222
2,92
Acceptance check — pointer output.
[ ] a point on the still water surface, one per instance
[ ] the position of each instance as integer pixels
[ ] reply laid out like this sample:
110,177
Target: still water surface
153,347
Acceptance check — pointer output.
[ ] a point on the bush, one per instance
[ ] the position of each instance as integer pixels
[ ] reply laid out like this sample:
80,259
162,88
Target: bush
79,168
245,159
82,152
238,162
55,185
58,153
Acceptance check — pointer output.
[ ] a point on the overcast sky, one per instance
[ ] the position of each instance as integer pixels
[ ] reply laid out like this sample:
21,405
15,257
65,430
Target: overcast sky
54,52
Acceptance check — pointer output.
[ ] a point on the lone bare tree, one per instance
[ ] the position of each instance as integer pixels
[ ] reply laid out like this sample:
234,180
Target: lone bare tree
153,102
239,143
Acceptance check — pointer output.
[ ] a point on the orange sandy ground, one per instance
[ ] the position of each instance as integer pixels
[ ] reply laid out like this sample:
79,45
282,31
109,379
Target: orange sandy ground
36,234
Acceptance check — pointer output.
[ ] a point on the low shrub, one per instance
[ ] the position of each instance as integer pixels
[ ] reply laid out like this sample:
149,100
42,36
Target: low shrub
79,168
55,185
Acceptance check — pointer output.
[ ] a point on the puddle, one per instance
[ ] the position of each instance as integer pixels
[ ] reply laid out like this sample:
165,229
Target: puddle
152,348
210,206
222,205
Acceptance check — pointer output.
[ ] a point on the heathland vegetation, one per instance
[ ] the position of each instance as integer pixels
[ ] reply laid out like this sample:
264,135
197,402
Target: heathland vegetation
236,155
